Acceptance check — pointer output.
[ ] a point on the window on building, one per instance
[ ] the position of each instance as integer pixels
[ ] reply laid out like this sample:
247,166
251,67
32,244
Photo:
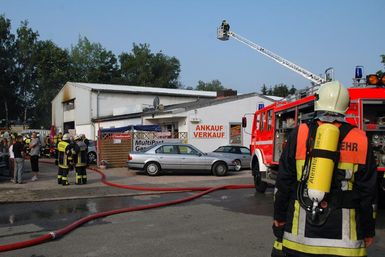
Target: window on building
171,129
236,133
69,105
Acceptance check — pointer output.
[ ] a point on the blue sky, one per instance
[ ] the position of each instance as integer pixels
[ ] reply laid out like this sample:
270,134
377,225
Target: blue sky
313,34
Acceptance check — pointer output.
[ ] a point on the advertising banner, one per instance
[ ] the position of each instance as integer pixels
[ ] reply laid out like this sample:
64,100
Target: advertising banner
140,144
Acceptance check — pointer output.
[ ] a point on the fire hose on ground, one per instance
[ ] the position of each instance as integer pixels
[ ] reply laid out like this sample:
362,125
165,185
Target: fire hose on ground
61,232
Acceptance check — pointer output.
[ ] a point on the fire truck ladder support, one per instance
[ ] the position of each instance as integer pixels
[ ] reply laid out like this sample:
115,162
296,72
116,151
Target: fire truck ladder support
292,66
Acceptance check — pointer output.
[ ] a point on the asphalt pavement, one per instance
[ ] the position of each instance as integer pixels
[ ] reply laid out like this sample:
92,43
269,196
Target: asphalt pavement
47,189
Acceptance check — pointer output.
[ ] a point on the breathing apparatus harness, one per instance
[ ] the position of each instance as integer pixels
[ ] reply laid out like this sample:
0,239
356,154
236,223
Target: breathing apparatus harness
318,213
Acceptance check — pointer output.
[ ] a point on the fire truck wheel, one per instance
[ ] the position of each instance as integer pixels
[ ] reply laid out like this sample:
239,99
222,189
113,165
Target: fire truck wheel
220,169
260,186
152,169
238,165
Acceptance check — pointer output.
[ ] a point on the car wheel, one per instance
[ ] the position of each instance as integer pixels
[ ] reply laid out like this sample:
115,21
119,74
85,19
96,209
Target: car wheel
238,165
91,157
152,169
260,186
220,169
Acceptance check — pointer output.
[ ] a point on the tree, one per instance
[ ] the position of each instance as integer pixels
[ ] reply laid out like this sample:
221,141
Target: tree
52,67
7,67
292,90
264,89
25,68
214,85
280,90
143,68
92,63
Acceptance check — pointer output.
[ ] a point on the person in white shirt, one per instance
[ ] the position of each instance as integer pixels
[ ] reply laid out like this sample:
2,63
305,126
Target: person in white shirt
12,160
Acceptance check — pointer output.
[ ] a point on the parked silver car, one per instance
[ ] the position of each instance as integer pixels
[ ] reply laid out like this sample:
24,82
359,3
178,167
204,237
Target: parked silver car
240,154
91,154
178,156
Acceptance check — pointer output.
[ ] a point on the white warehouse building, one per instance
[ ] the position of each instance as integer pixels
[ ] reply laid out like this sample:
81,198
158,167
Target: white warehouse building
77,104
209,120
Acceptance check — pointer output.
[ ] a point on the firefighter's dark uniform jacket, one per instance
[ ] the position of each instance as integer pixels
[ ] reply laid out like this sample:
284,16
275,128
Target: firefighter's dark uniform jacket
81,154
351,218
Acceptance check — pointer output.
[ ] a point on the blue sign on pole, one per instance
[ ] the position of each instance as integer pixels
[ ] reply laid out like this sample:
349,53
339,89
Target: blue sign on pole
260,106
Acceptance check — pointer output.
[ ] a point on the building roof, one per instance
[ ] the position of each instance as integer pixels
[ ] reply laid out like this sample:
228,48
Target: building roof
142,90
182,107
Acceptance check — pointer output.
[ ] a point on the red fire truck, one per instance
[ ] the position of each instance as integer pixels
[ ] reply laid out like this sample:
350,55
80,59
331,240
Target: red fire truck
272,123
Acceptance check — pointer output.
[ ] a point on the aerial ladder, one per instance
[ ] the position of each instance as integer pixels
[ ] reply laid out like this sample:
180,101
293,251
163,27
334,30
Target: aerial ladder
224,33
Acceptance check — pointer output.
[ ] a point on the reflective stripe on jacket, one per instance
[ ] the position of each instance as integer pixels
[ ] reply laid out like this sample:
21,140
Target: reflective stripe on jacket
345,228
81,152
63,155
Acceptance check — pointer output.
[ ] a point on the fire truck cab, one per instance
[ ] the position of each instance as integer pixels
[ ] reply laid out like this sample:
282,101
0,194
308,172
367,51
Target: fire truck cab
272,124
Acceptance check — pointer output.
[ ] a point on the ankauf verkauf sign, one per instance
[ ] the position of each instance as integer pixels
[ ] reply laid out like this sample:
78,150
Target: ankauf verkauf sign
209,131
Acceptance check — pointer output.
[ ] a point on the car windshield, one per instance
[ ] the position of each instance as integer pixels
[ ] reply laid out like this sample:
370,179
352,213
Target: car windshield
223,149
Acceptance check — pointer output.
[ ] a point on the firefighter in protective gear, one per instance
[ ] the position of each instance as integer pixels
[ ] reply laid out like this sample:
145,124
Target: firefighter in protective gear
80,161
57,139
64,151
341,223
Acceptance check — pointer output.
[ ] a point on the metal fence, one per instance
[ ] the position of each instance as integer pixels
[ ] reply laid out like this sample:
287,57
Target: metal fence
113,147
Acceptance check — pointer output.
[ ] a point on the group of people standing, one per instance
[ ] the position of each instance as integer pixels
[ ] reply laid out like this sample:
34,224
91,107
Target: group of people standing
70,153
18,150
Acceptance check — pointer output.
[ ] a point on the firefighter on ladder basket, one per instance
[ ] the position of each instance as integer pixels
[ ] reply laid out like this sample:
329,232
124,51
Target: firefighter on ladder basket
326,186
225,26
64,151
80,159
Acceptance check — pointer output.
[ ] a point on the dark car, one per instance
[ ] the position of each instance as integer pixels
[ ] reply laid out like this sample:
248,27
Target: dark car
239,153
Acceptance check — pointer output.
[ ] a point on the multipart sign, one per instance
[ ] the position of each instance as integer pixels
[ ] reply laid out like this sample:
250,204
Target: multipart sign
209,131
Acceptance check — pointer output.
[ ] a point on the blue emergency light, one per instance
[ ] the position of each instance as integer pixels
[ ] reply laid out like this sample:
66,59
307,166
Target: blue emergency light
359,72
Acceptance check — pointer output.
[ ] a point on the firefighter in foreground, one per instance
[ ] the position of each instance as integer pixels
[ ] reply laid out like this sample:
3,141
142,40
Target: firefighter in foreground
64,150
80,159
326,186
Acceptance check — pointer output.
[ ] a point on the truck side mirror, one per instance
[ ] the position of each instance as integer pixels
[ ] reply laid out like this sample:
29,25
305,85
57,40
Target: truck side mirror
244,122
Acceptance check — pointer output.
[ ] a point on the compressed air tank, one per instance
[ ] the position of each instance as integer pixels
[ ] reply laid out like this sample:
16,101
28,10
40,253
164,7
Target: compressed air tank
321,169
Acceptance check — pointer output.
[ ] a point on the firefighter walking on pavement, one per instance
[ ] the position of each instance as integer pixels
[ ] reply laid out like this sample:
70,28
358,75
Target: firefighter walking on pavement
64,152
80,161
325,198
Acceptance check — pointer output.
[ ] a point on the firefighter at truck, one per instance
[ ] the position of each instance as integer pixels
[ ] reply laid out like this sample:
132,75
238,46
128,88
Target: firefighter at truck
325,195
64,152
80,160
